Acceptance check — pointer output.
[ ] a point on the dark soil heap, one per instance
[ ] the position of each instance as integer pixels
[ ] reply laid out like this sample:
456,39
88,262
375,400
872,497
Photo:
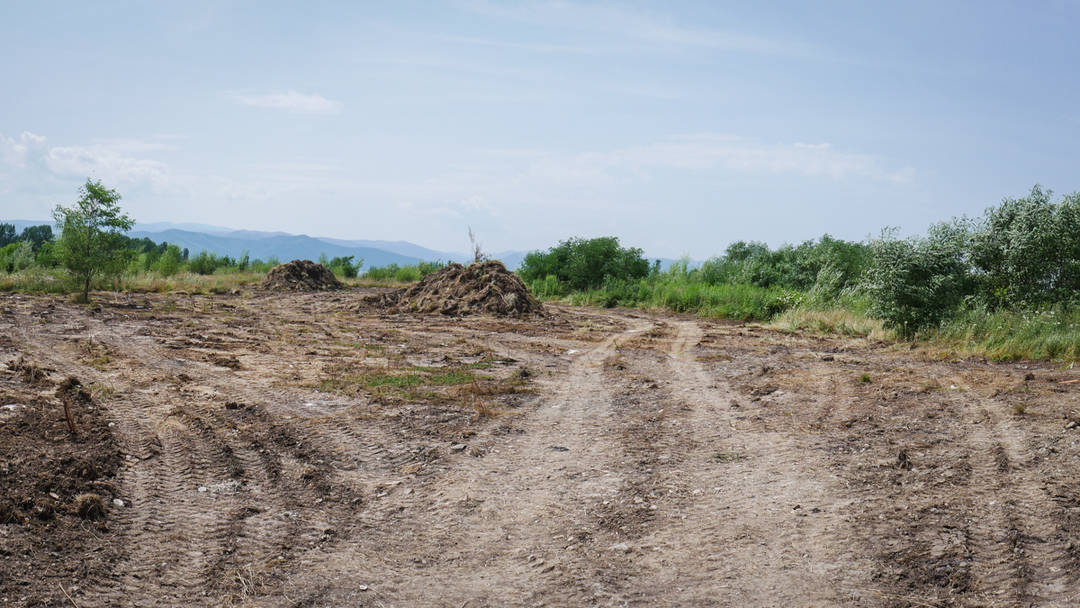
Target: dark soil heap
301,275
456,290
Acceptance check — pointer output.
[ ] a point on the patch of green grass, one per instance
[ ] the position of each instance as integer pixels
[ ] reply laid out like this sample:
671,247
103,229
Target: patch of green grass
865,378
400,381
451,378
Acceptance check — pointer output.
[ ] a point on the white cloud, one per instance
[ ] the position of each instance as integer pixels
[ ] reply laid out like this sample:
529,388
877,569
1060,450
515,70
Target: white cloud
291,101
105,163
16,152
116,161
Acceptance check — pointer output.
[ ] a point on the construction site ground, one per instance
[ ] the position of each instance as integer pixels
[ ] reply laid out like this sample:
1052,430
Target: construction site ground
306,449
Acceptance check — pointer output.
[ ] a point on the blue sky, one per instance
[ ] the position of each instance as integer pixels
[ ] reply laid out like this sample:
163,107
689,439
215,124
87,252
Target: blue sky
679,127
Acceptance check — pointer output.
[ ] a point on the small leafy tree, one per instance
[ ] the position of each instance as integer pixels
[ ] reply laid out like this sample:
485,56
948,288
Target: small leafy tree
170,261
92,240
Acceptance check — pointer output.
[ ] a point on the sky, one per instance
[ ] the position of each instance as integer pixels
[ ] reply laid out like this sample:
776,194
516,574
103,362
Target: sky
679,127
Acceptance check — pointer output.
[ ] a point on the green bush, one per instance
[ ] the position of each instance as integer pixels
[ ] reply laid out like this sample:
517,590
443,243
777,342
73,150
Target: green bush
170,262
1027,251
917,283
791,267
345,267
585,263
204,263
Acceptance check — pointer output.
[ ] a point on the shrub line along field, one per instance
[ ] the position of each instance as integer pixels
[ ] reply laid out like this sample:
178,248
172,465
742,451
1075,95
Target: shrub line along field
316,449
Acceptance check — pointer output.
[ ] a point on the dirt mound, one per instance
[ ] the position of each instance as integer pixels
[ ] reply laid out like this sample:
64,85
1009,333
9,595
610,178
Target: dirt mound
301,275
57,494
457,290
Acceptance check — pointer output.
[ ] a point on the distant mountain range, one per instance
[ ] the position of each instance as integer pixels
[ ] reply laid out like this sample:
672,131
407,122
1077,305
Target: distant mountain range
285,246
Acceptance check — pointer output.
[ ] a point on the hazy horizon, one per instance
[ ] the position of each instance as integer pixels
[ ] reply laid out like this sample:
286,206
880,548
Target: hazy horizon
677,127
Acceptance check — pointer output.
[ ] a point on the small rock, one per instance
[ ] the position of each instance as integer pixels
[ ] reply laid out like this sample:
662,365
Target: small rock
362,587
203,488
828,358
457,447
621,547
1070,424
118,502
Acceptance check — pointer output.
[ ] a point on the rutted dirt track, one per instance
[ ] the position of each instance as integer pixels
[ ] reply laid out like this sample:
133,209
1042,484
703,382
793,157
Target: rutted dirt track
306,450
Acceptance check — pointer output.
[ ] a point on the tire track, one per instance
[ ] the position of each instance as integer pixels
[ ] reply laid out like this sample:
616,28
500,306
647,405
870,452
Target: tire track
753,517
1020,556
506,516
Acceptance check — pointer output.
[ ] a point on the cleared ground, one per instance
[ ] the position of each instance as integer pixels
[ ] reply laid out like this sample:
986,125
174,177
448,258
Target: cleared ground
308,450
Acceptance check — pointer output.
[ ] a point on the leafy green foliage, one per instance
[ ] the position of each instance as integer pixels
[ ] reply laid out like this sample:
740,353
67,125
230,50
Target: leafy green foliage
919,282
345,267
792,267
401,274
37,235
585,263
1027,251
7,234
169,263
92,241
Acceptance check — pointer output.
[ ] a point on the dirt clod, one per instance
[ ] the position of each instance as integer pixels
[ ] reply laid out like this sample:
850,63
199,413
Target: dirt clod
89,506
457,290
301,275
31,373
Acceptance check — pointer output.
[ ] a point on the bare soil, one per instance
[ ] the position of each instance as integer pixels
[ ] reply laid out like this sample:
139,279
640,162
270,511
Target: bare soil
282,449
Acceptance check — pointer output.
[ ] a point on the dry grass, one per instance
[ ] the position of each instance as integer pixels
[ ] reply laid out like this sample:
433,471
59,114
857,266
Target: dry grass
832,321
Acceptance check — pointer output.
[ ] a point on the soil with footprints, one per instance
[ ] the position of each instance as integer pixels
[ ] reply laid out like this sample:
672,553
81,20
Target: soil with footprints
282,449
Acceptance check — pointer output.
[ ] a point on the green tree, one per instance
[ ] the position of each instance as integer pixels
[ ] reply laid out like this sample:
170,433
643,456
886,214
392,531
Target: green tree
169,263
37,235
585,263
7,234
92,240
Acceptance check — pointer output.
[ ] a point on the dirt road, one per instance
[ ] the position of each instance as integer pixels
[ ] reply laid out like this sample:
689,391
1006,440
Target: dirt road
302,450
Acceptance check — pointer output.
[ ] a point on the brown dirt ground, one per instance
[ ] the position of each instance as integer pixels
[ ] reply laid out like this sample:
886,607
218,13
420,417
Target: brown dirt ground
280,449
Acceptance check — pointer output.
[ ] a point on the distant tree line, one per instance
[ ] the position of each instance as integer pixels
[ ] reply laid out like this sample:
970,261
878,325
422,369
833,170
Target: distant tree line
1023,254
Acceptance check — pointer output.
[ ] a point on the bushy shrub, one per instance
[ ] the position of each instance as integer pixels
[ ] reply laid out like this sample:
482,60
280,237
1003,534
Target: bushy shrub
585,263
169,263
917,283
791,267
345,267
1026,251
402,274
205,263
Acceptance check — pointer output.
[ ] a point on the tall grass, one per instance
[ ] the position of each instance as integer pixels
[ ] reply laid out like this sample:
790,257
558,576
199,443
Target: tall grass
678,294
1003,335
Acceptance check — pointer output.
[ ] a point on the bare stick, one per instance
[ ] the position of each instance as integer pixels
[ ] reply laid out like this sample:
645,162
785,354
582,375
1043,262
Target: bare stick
67,414
67,596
